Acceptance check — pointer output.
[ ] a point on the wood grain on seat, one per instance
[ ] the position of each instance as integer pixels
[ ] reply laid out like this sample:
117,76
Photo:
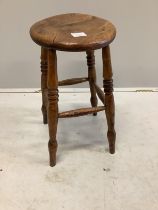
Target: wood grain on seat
55,32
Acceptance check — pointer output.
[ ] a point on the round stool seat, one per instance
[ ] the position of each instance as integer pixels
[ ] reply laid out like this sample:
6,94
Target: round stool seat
73,32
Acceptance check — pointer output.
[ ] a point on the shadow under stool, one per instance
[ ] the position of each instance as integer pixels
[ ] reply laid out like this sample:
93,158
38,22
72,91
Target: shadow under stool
74,33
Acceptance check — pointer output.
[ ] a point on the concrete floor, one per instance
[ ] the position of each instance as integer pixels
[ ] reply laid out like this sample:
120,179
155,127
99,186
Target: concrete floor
86,176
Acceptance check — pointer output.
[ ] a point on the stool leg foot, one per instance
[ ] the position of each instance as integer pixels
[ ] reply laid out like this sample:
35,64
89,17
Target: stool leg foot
52,105
92,78
52,147
44,69
109,98
110,115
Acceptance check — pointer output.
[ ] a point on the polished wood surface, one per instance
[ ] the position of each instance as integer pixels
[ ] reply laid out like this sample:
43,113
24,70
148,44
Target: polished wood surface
52,105
92,78
100,93
44,70
72,81
55,32
109,98
81,112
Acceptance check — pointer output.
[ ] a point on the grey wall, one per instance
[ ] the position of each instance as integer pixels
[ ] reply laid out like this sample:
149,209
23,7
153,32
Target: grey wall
134,51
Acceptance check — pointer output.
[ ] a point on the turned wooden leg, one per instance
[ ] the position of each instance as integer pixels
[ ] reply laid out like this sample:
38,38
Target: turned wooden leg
92,78
109,98
52,105
44,68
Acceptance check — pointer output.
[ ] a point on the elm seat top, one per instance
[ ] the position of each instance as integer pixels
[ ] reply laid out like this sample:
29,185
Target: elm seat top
73,32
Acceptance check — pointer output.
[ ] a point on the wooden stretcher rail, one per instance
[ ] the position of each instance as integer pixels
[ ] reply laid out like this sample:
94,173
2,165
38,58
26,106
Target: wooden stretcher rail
81,112
72,81
100,93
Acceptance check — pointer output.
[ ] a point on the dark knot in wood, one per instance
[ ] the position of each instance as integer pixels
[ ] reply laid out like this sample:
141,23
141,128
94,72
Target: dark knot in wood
108,86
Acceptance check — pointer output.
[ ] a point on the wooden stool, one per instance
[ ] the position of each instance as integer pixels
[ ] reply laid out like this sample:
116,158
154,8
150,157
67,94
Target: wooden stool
74,33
